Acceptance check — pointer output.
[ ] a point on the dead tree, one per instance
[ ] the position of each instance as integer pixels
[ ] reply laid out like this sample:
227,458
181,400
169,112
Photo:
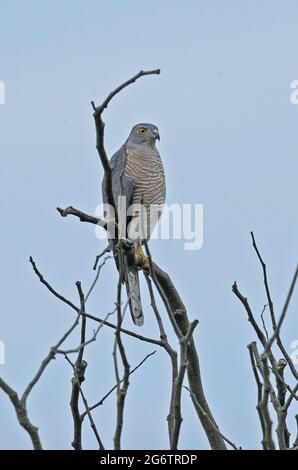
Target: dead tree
184,361
269,372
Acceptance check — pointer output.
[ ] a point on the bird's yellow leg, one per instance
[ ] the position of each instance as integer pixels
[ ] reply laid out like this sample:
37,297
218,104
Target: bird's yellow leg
141,254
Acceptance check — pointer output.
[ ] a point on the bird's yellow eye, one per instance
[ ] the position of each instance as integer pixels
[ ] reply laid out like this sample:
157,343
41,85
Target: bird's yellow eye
142,131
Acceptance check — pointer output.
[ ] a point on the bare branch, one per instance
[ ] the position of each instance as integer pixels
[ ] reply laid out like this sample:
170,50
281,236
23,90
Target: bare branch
84,322
121,391
51,355
101,401
140,74
97,275
250,315
92,423
281,430
270,303
259,388
266,421
106,250
255,325
89,341
295,444
22,415
280,382
99,125
162,332
78,378
193,370
268,441
276,330
50,288
201,411
88,315
292,395
284,311
263,321
178,385
161,293
172,354
278,400
281,394
82,216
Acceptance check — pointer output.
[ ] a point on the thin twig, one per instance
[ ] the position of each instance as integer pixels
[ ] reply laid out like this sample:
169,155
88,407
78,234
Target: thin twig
101,401
263,321
91,340
250,315
88,315
99,126
97,276
161,293
117,90
284,311
265,278
172,354
276,329
50,288
292,395
106,250
255,325
79,369
215,428
51,355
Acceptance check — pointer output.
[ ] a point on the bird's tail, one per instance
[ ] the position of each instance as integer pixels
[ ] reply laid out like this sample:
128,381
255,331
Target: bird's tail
134,295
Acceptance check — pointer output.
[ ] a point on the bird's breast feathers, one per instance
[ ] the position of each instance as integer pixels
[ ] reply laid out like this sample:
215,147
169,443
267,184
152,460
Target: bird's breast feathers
145,168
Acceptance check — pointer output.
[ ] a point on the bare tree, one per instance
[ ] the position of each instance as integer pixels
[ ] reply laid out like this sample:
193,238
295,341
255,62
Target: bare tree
266,367
184,361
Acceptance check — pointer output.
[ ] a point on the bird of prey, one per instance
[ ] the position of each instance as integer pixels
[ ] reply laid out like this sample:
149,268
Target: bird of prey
138,176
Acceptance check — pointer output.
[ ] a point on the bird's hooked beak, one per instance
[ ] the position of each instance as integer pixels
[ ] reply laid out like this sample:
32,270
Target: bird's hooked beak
156,134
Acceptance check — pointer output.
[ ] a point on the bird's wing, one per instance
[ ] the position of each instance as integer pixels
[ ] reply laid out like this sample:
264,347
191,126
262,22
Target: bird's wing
123,185
119,180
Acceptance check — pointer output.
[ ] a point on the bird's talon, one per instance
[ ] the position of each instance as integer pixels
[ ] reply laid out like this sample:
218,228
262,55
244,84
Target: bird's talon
145,263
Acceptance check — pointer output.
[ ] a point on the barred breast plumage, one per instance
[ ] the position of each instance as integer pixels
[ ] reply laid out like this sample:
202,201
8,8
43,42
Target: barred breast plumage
145,168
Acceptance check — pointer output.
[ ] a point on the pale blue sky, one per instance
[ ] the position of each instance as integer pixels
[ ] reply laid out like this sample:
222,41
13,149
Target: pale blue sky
228,141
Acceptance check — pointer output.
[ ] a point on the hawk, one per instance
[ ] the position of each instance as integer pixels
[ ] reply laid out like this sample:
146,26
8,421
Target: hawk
138,180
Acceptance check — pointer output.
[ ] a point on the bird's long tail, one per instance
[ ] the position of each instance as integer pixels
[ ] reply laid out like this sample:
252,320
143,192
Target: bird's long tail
134,295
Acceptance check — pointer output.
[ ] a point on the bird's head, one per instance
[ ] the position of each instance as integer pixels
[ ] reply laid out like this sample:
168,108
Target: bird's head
143,134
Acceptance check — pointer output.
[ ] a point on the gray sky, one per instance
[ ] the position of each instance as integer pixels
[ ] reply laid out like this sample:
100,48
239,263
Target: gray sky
228,141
